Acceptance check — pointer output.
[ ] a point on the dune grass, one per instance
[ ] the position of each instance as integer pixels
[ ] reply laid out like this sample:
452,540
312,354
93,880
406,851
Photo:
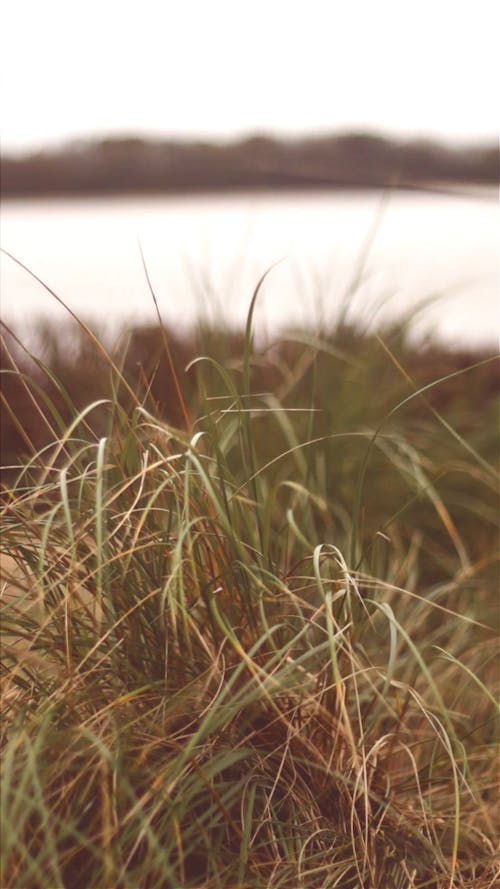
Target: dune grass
253,647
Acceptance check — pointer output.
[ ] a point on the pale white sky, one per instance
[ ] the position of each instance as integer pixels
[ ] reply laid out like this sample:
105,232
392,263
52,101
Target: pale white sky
224,67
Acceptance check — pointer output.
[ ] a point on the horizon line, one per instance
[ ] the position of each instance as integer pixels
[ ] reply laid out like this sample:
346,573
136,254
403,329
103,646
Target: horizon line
60,143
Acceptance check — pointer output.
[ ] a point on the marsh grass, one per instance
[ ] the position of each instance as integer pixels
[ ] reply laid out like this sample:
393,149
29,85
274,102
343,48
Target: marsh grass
252,645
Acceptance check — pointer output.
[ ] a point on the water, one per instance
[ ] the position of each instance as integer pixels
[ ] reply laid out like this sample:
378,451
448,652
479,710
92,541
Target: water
205,254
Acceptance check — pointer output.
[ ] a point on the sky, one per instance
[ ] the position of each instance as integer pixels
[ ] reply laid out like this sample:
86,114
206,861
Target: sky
225,68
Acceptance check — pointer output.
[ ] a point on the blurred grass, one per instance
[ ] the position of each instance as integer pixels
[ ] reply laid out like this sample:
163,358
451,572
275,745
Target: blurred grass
259,650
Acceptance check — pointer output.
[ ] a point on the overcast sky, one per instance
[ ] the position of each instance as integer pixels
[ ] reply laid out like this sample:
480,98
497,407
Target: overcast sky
224,67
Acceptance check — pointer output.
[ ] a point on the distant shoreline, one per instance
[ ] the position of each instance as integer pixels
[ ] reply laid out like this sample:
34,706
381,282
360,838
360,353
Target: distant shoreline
350,161
475,191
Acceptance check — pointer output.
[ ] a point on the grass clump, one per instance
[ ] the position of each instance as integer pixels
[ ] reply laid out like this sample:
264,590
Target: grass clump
258,651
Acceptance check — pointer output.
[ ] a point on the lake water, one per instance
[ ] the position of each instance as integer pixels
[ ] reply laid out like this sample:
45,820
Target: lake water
377,256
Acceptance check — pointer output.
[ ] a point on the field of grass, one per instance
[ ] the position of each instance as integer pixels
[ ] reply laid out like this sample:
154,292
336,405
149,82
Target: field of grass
250,613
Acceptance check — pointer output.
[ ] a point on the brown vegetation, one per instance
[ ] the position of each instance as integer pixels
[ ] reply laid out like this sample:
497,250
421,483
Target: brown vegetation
125,165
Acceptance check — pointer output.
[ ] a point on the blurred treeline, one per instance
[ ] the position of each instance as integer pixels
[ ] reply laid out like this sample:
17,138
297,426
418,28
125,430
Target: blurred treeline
131,164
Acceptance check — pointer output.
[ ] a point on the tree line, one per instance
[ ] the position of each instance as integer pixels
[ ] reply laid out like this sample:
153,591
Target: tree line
131,164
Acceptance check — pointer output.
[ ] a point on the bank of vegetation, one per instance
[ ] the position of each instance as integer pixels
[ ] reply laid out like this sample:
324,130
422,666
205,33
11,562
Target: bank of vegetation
249,612
125,165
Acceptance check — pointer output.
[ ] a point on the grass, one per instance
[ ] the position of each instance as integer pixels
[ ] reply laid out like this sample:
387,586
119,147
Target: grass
250,615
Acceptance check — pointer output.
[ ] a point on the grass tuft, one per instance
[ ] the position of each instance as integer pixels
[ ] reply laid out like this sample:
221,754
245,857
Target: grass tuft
249,616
